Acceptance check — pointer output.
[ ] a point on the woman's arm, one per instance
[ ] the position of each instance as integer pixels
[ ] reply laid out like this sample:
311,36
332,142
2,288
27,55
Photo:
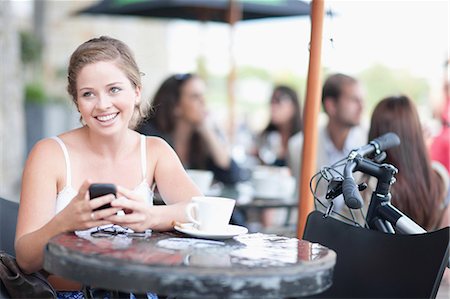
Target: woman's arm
37,221
174,185
218,150
232,175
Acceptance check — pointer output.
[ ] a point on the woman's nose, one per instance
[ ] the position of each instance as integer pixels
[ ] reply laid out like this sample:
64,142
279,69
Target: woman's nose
104,102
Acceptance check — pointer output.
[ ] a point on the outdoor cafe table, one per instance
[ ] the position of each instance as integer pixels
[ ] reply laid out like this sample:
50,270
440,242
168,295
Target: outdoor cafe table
170,263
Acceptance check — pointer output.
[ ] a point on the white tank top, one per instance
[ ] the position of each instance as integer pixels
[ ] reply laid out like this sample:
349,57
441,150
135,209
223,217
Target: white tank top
68,192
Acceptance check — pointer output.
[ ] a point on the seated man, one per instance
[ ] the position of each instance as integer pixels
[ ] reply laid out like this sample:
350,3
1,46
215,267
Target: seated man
342,101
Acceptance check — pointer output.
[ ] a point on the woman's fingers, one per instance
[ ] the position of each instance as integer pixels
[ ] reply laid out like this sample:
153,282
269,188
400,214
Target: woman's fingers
103,213
97,202
83,191
136,210
128,193
126,204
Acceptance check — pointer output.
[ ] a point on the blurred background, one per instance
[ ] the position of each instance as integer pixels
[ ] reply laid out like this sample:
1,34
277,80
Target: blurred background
391,46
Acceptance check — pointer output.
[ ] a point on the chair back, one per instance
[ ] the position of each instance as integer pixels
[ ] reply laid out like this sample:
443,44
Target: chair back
380,265
8,220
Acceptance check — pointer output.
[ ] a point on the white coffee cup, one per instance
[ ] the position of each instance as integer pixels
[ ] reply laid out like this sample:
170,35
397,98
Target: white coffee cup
209,213
202,178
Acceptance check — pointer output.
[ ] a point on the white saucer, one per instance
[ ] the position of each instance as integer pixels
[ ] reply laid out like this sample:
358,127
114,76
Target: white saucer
231,231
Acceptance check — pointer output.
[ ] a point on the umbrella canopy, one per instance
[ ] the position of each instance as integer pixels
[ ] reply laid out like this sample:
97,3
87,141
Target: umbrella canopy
200,10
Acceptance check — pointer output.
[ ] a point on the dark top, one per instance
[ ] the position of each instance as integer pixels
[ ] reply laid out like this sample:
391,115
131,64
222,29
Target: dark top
231,175
247,266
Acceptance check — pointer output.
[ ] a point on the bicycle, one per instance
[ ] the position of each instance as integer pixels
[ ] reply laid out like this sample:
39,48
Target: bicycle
375,265
381,214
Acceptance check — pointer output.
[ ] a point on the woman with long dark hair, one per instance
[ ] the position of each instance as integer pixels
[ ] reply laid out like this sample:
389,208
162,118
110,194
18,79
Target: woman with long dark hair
285,121
180,117
420,189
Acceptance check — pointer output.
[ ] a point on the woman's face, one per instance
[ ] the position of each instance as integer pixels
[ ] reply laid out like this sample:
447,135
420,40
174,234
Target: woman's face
191,107
105,97
282,109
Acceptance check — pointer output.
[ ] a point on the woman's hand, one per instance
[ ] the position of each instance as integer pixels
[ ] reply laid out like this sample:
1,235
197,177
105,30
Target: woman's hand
138,212
217,149
79,214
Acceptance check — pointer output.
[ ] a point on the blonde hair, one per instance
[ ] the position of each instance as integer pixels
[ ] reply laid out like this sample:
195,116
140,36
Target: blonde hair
105,48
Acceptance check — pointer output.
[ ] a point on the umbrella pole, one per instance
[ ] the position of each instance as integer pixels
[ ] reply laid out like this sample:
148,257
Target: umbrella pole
234,15
312,107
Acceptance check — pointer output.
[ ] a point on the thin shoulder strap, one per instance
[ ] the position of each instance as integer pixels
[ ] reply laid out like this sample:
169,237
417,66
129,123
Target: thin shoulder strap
144,156
66,157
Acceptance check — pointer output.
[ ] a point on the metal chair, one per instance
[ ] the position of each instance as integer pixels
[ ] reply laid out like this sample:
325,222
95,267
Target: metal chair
8,220
378,265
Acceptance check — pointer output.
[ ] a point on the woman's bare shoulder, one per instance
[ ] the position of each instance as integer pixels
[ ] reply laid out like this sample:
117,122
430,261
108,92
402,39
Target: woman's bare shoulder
48,152
157,143
47,147
45,158
158,149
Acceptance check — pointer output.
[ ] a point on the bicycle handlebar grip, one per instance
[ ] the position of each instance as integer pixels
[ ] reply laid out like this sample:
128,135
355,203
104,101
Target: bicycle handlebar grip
351,194
387,141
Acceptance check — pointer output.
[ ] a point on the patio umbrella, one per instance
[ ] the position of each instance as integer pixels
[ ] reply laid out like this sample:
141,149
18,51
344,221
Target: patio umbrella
200,10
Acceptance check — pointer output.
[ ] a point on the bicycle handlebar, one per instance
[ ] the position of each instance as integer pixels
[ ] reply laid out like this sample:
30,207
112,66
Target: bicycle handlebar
350,191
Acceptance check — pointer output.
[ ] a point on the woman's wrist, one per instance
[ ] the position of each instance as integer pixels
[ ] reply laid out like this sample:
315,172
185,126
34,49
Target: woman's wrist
58,225
150,218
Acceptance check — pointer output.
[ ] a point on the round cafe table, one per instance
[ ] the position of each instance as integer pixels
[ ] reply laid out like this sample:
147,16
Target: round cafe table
246,266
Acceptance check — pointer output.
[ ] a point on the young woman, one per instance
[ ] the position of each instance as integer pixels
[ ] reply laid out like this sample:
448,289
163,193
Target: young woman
180,117
285,121
104,83
421,187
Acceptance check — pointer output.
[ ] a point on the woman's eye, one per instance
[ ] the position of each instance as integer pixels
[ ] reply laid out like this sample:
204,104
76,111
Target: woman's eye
115,89
87,94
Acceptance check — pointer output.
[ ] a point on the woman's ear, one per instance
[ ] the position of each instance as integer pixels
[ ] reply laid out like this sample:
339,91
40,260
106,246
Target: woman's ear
138,94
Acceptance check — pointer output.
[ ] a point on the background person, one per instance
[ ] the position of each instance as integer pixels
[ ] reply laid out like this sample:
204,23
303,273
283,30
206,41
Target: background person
440,146
272,150
343,103
181,118
104,83
285,121
421,187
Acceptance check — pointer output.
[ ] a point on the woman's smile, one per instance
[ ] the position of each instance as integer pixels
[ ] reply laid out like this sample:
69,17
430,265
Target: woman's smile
107,119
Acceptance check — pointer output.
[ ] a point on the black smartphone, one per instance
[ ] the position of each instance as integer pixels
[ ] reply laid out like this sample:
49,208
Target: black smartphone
97,190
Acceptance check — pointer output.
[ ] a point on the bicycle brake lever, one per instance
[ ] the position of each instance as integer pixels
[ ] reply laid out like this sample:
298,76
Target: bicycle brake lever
335,188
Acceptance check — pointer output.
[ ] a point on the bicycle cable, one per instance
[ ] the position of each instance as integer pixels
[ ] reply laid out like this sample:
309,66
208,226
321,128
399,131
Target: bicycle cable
328,173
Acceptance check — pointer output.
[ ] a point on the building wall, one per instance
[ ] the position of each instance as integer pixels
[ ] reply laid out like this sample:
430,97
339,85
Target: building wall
12,137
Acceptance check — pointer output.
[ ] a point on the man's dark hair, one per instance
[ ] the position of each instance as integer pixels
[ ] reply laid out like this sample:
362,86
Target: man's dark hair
332,88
